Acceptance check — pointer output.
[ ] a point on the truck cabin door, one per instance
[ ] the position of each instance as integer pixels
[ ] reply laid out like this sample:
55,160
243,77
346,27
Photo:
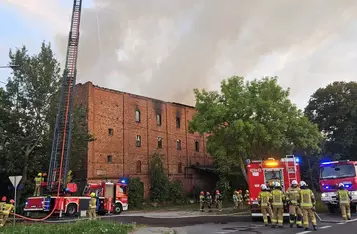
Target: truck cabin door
272,175
121,190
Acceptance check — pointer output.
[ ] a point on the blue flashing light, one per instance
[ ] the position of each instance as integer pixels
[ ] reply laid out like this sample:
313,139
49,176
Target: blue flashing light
297,160
326,163
347,185
123,181
326,187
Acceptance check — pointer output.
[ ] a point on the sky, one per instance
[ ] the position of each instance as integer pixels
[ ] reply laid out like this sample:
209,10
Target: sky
164,49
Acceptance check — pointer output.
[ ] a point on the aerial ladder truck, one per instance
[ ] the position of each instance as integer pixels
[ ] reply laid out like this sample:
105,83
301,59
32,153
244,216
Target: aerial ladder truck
112,197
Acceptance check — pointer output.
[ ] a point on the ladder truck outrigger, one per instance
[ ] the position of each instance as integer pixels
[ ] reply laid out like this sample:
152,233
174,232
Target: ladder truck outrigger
112,196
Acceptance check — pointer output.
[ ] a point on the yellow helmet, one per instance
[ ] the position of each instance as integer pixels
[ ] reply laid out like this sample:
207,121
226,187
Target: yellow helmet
92,194
39,174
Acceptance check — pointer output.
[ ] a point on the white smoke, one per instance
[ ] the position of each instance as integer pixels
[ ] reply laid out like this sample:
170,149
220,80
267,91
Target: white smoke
164,49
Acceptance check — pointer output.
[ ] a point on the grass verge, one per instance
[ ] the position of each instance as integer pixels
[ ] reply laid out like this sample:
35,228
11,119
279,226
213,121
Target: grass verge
87,227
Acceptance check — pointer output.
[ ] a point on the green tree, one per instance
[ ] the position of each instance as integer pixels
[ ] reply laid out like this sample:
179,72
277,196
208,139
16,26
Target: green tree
79,140
251,120
136,194
30,90
176,193
334,110
160,183
28,108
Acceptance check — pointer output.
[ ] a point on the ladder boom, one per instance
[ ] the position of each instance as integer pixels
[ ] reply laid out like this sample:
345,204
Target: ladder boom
60,153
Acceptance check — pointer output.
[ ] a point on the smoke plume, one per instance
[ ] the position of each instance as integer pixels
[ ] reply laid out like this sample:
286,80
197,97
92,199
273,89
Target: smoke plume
164,49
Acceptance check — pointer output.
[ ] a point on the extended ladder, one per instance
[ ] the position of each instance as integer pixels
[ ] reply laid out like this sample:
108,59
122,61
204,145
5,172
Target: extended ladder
62,132
290,162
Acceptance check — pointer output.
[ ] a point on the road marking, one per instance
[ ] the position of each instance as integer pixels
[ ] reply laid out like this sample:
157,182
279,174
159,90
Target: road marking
352,220
342,223
303,232
324,227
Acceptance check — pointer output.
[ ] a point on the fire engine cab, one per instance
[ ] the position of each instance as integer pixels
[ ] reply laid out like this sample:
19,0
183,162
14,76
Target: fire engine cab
267,172
331,175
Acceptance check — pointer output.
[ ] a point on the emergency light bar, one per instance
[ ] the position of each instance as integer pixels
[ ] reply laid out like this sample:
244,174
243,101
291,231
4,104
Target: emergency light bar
328,163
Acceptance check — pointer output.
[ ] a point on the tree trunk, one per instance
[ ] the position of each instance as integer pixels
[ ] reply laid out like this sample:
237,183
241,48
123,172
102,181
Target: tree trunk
24,174
242,168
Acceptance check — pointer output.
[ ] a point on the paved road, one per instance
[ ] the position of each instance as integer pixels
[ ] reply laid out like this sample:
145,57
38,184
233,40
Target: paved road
330,224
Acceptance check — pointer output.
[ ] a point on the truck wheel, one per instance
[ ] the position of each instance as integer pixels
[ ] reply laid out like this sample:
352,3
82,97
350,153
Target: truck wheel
332,209
71,210
118,208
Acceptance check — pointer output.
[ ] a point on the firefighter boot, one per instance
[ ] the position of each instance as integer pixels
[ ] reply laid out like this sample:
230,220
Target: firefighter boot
315,228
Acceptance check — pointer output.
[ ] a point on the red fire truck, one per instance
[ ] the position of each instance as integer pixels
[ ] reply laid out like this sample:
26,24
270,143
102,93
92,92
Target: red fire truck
331,175
268,171
112,199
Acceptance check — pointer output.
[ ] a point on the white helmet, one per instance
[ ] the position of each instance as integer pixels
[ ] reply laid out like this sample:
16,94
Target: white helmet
341,185
276,184
263,187
302,183
294,182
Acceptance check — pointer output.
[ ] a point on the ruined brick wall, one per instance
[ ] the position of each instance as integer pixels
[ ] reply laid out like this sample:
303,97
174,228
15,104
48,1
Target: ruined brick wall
115,153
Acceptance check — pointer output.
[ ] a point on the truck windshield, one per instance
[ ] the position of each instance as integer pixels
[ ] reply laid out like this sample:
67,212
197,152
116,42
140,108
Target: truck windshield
273,176
337,171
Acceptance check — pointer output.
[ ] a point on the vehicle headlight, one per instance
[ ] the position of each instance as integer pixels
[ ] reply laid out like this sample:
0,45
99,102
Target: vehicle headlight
323,195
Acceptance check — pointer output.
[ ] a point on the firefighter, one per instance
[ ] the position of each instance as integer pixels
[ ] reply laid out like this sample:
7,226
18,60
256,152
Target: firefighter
92,207
6,212
292,197
208,200
263,200
235,199
69,177
38,182
2,208
218,200
277,201
202,201
240,199
307,204
246,197
344,198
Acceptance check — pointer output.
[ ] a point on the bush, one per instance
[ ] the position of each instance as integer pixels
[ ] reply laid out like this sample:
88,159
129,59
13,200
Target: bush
160,183
176,192
224,187
88,227
195,194
136,192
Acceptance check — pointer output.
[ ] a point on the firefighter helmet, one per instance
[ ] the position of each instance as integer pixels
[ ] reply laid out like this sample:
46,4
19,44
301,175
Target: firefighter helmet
44,174
276,184
39,174
3,199
207,193
263,187
217,191
92,194
341,185
12,201
303,183
294,182
202,193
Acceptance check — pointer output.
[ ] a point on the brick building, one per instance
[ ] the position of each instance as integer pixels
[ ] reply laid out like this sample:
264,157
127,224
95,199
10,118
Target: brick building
129,129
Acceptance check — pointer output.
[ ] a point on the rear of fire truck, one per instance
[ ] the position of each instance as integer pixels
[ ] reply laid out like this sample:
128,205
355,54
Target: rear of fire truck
331,175
267,172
